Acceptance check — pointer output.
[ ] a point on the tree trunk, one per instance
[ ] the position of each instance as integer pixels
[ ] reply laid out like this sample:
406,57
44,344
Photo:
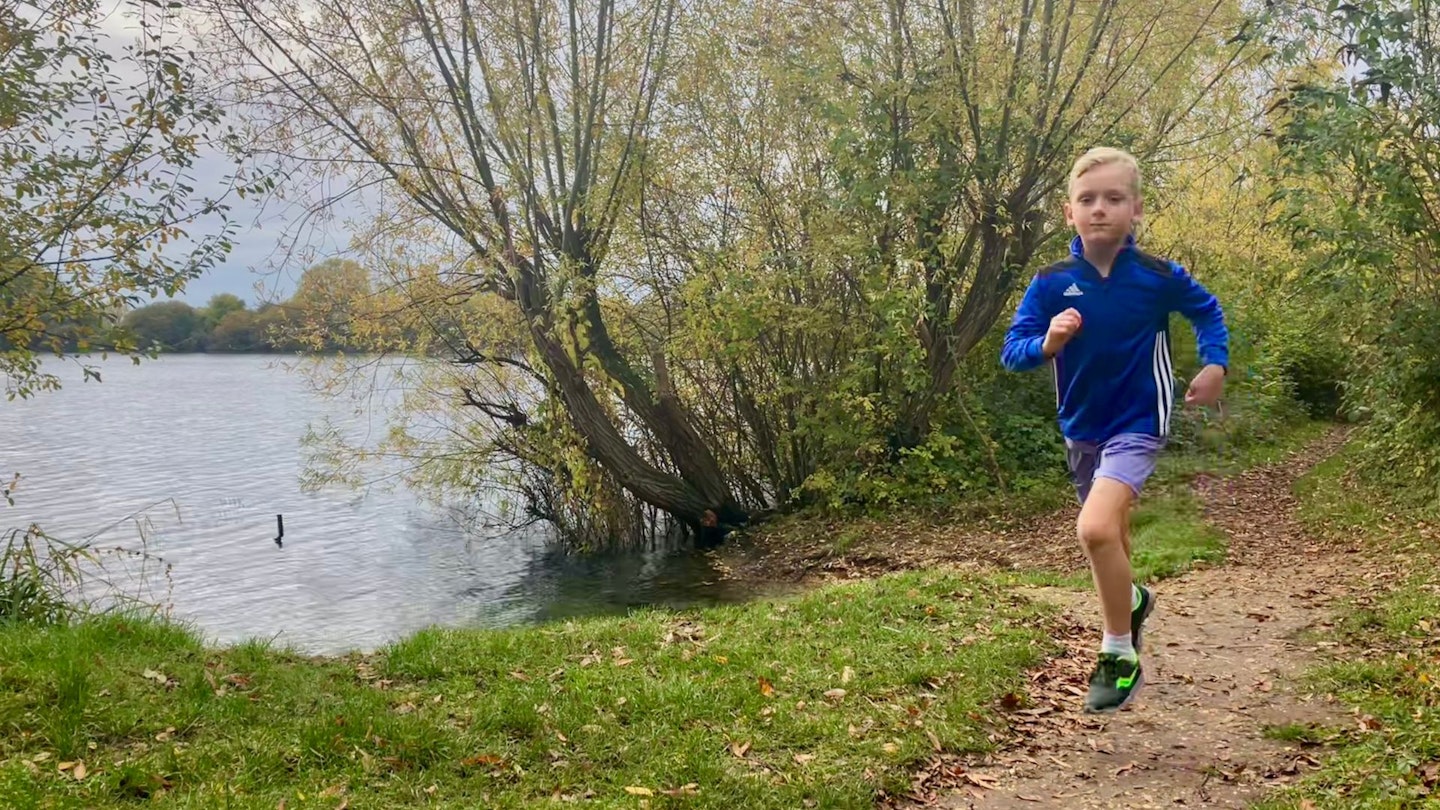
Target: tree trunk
947,340
711,518
662,413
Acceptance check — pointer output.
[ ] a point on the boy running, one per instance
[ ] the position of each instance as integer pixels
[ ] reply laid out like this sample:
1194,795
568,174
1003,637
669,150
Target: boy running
1100,318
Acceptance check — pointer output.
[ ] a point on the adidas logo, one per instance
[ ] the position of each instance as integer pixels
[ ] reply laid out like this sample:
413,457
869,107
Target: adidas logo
1073,291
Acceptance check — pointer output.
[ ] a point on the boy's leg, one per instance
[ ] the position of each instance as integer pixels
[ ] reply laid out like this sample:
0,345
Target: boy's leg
1085,461
1104,534
1125,530
1123,465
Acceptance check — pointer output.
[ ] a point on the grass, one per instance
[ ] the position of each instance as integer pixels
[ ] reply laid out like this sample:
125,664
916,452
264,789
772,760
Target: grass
1169,535
1302,733
1391,677
718,708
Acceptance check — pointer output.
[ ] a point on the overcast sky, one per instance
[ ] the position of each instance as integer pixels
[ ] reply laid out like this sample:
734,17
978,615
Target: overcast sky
258,268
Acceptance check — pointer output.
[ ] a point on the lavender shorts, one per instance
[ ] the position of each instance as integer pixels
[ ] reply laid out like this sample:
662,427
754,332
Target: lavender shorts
1129,458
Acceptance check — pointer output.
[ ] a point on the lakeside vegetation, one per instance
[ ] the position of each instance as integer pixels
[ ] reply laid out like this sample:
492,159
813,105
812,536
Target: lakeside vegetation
828,698
834,697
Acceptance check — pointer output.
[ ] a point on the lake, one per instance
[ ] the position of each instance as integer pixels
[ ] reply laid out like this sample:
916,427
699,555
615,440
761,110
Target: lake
191,457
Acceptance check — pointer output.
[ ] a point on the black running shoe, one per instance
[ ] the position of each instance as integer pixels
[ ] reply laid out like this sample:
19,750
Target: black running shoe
1114,683
1139,615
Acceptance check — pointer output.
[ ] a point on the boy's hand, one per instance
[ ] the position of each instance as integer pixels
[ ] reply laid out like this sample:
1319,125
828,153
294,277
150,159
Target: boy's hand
1062,328
1207,386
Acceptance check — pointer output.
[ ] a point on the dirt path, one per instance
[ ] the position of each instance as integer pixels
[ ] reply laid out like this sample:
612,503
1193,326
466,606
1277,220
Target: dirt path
1223,650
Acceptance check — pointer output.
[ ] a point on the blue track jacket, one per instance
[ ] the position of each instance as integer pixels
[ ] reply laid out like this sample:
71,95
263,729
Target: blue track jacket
1115,374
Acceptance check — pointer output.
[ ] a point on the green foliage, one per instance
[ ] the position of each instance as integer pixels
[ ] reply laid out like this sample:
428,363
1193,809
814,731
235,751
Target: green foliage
172,326
99,135
1169,535
737,701
771,283
1399,386
221,305
34,579
321,316
1359,174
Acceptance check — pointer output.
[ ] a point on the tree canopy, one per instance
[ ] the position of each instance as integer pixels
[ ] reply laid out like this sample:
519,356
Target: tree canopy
100,135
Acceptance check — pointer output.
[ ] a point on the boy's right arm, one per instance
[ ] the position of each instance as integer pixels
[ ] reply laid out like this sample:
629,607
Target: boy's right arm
1025,339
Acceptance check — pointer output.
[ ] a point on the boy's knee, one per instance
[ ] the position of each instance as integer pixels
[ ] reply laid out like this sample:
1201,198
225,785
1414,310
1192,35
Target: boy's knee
1097,531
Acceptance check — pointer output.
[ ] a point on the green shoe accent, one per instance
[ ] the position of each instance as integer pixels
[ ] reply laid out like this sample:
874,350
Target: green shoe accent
1114,683
1139,614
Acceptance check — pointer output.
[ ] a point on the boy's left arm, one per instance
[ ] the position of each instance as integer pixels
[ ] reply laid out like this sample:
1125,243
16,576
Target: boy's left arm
1200,307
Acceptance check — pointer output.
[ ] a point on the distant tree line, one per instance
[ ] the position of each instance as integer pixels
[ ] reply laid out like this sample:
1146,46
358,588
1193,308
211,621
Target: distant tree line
315,318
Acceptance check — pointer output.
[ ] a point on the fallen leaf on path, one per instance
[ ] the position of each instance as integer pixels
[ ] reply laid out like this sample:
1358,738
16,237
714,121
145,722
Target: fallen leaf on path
981,780
1022,797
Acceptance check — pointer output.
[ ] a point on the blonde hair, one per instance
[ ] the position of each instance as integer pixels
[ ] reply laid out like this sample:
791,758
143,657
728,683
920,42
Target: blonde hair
1105,156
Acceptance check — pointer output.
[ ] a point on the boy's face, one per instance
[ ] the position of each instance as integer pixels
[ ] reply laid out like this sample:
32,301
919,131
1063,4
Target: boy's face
1103,208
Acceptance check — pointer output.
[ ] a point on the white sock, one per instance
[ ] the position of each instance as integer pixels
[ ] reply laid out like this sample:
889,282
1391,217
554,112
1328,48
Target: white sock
1134,596
1118,645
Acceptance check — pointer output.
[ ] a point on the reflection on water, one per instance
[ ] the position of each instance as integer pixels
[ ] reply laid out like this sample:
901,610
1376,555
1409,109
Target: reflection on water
193,456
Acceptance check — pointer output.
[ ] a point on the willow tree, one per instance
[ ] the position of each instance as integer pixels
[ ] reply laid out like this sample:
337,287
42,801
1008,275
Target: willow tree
520,127
851,192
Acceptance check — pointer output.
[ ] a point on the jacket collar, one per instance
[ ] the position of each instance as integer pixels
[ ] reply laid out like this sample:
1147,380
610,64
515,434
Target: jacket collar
1077,247
1077,250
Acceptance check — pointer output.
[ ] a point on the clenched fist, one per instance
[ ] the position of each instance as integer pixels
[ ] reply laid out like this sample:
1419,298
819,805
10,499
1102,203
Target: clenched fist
1207,386
1062,328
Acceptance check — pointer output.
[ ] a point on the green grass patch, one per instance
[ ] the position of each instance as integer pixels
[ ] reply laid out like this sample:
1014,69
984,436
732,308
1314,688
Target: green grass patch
1168,535
1302,733
1334,504
726,707
1391,758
